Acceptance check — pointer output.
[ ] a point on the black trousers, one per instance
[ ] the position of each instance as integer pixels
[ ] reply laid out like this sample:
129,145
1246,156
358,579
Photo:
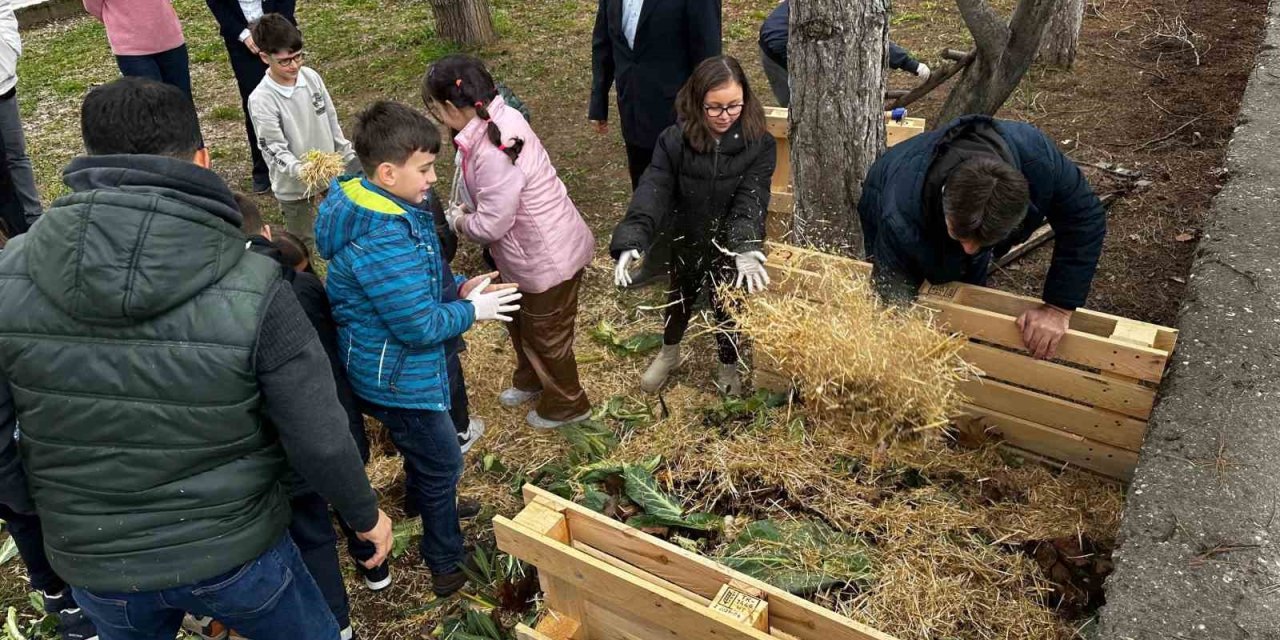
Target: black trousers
249,70
687,283
312,530
29,537
638,159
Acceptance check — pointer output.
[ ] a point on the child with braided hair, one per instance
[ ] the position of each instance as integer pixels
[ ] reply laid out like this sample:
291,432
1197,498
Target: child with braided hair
510,199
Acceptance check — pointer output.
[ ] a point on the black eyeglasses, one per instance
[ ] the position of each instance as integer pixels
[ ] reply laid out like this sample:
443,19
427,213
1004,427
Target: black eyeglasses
716,112
294,60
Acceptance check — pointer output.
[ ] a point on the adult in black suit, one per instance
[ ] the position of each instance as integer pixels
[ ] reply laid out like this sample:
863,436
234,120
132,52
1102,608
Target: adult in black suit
648,48
233,24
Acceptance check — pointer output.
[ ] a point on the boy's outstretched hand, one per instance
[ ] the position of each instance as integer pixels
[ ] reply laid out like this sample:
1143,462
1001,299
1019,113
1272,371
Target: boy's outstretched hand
382,536
470,285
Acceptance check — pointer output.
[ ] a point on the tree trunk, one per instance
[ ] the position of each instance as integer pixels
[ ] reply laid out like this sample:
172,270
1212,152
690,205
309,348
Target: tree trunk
1063,35
1004,53
464,22
837,52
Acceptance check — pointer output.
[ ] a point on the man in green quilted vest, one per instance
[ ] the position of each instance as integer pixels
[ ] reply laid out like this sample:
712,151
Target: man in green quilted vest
164,380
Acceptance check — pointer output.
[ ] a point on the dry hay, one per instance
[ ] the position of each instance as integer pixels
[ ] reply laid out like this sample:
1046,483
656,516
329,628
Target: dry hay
882,369
319,168
944,525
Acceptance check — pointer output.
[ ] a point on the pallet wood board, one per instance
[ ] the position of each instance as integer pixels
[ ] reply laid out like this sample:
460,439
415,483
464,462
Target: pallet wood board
648,589
1088,408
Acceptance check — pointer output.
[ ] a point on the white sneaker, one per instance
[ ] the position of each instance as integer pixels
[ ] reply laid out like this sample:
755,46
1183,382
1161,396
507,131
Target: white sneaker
346,634
513,397
538,422
475,429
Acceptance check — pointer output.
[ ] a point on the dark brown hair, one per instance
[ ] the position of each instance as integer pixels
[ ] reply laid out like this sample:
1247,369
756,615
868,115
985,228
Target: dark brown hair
293,250
274,33
462,81
712,74
250,214
985,200
392,132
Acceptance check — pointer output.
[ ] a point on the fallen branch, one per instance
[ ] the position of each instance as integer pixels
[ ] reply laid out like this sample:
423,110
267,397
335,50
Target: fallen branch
1168,135
936,79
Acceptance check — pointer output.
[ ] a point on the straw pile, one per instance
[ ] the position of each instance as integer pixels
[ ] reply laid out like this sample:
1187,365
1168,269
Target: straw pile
943,526
319,168
884,370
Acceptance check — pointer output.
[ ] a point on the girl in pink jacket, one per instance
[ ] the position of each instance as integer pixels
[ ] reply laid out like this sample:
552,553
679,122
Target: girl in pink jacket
510,199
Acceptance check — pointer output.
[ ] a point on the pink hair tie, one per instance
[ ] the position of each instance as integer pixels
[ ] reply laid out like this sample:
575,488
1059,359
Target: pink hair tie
502,147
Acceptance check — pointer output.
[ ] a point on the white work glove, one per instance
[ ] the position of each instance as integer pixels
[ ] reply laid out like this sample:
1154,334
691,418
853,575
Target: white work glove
923,72
493,305
453,214
751,272
622,273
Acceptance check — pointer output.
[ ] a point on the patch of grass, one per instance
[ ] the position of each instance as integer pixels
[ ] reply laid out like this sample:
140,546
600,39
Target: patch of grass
226,113
63,61
905,18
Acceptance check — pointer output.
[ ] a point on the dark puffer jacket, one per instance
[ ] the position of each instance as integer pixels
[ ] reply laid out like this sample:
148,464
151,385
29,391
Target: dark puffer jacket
907,240
703,198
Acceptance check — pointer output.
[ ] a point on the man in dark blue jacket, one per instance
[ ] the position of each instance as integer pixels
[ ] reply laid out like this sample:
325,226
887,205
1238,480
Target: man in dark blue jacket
773,54
940,206
234,18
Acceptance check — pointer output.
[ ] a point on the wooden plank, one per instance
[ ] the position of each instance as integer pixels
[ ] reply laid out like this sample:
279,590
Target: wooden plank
1103,426
623,592
525,633
1128,398
1086,349
637,572
776,121
1082,452
545,520
787,613
901,131
782,169
782,202
563,600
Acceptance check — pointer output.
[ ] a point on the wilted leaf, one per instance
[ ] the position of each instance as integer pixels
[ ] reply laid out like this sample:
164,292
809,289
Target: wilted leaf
606,334
492,464
643,489
641,343
403,534
589,439
595,500
9,550
800,557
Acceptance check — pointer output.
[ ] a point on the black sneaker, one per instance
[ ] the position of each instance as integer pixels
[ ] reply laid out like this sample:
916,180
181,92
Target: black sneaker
377,578
468,508
73,624
261,184
448,584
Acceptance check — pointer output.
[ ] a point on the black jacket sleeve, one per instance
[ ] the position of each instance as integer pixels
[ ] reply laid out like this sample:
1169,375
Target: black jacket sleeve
1079,223
746,222
230,18
601,64
13,480
893,274
448,238
703,27
300,400
900,59
653,199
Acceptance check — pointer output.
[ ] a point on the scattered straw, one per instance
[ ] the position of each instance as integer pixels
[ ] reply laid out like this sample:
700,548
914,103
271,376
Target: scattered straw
319,168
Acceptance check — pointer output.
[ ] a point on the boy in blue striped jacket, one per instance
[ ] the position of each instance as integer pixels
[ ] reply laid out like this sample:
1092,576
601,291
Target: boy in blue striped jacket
397,304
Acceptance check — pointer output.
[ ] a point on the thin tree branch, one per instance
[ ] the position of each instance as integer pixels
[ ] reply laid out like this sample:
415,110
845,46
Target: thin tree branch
990,33
935,80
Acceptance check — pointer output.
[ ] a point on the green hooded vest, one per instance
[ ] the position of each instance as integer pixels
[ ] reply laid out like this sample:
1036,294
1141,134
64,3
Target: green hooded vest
128,322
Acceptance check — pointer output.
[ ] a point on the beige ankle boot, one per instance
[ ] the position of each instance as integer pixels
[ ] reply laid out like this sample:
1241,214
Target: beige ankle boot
656,375
729,380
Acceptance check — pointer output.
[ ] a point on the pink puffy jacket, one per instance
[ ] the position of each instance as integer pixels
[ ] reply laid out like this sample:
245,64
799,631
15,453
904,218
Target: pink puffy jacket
522,210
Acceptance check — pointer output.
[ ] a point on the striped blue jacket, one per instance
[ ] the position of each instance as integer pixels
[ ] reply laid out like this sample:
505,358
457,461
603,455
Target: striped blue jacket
384,286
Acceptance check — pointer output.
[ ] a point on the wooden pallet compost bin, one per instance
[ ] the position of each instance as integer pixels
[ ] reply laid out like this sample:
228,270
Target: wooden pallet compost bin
604,580
1088,408
782,198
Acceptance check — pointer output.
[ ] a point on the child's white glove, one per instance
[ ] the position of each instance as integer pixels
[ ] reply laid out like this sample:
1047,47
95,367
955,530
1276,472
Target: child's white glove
923,72
751,271
453,214
621,272
492,305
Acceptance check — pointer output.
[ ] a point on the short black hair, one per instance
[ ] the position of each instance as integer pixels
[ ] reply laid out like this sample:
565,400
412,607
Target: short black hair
293,250
985,200
139,116
391,131
250,213
274,33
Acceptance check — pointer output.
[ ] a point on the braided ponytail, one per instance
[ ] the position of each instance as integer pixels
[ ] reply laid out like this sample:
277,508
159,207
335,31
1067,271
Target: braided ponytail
463,81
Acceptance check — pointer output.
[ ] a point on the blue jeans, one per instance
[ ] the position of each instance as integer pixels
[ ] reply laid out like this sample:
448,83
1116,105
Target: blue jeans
269,598
170,67
433,464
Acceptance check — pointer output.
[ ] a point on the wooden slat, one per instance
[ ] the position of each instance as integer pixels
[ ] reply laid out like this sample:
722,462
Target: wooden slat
525,633
1082,452
637,572
782,202
562,598
1128,398
624,593
781,180
1103,426
1086,349
787,613
775,119
896,132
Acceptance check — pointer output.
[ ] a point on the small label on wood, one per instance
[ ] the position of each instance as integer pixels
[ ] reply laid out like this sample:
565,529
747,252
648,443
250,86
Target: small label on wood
743,604
948,291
